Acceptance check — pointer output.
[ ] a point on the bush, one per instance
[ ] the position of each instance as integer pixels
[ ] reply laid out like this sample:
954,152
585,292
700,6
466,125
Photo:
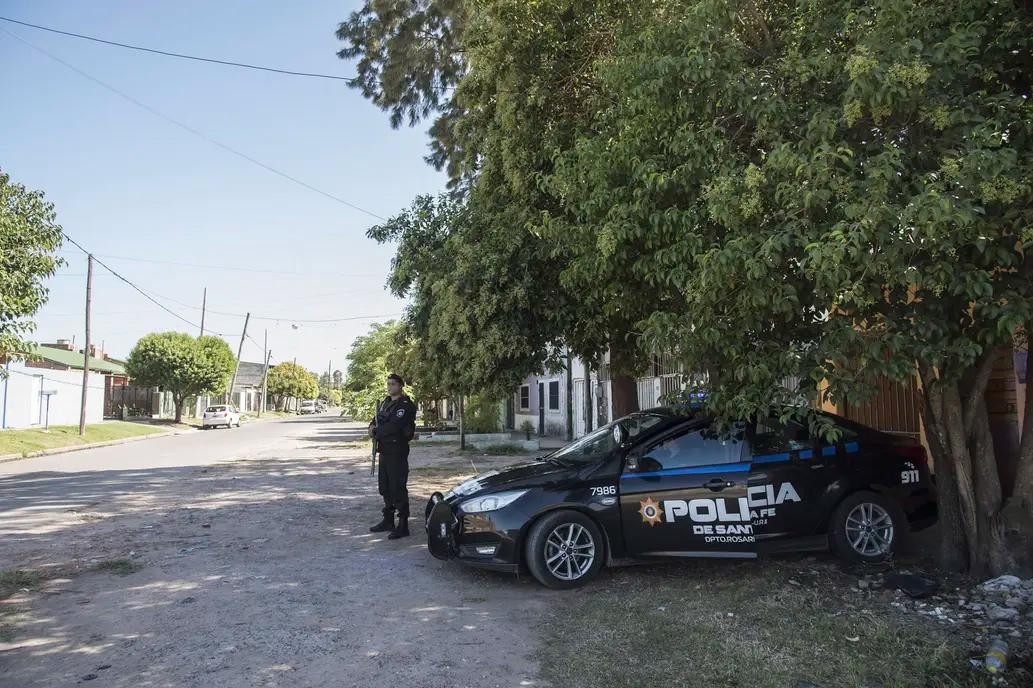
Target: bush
481,414
527,427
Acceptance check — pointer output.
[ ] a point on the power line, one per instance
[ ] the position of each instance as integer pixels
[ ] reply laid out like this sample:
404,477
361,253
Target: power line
236,268
133,285
350,79
151,294
191,130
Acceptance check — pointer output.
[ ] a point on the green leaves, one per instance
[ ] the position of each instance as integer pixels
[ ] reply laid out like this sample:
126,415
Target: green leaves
184,365
292,380
29,238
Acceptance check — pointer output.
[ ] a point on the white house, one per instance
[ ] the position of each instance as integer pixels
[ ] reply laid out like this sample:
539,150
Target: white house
31,396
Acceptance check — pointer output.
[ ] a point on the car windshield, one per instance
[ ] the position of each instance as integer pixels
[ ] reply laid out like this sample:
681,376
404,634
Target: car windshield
215,409
600,443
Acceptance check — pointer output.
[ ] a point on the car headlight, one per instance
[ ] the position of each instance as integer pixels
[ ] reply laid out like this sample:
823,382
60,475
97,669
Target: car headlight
491,502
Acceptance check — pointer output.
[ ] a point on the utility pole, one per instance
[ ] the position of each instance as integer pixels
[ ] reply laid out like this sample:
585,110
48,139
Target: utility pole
240,350
86,348
204,306
265,373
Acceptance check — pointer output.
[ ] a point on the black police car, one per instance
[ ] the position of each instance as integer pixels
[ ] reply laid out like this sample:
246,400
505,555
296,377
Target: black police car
659,483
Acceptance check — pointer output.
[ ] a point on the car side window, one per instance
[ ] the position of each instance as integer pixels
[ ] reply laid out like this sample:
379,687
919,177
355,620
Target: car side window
697,448
772,437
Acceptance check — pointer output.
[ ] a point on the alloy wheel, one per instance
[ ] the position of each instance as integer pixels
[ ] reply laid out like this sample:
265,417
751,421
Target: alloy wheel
569,551
869,529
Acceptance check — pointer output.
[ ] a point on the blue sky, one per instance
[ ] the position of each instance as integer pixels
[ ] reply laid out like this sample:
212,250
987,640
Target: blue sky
128,185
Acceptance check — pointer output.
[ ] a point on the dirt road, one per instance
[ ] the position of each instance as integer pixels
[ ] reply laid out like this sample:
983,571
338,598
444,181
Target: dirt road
243,558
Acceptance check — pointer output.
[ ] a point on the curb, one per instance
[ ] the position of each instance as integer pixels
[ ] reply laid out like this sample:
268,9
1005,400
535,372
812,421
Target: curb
7,458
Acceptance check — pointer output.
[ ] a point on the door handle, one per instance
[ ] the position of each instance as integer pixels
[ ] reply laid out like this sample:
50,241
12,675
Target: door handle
717,484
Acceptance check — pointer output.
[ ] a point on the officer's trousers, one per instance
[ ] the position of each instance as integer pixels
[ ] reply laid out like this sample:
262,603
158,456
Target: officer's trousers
392,476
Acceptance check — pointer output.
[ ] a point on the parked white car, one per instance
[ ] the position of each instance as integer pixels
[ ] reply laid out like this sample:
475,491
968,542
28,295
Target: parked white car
221,414
308,406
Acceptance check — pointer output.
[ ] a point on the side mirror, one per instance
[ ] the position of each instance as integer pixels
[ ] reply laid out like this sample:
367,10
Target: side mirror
631,462
620,435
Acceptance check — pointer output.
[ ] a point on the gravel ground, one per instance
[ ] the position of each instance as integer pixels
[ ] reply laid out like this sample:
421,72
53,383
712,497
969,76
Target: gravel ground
259,571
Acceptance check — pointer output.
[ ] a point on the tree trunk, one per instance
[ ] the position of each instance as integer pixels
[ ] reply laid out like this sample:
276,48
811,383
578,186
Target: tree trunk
994,555
957,444
462,425
1017,514
953,550
179,407
623,387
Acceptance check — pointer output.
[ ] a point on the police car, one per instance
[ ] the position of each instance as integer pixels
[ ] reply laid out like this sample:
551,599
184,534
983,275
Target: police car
660,483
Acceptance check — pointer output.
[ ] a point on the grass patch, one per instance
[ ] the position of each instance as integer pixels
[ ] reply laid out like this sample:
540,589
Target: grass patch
13,580
35,439
718,624
121,567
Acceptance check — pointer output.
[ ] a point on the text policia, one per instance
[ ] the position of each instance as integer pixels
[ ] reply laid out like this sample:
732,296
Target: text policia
722,519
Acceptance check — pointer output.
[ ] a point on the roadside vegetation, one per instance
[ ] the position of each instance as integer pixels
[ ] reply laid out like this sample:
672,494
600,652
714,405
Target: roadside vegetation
772,624
120,567
838,193
35,439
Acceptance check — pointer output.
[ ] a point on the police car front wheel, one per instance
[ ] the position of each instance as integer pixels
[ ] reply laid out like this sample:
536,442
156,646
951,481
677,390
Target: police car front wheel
564,549
866,527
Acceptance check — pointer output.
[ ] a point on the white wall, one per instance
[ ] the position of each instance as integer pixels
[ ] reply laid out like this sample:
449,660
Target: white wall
25,406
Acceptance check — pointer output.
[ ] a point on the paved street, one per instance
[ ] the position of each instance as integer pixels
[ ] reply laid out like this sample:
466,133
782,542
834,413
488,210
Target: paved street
243,558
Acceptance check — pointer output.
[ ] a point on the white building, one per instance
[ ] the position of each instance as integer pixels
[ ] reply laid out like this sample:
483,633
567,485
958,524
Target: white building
25,402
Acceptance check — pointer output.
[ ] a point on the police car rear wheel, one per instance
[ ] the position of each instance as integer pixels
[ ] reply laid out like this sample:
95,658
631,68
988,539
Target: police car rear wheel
866,527
564,549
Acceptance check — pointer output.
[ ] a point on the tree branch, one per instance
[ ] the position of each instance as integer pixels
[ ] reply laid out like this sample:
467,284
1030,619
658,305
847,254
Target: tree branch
977,388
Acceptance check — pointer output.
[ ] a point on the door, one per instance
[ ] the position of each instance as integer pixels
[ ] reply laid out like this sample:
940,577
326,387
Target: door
788,476
579,408
510,414
685,495
541,408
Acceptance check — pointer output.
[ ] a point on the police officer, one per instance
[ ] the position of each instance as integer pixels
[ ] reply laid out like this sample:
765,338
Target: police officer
394,428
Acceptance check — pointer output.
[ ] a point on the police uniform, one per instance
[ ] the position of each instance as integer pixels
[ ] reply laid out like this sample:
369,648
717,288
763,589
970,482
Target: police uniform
395,426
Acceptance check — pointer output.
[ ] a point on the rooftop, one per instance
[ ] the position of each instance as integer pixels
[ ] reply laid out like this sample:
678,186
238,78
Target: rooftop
74,359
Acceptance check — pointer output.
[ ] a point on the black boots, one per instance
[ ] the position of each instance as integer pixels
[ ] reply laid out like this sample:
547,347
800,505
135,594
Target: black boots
386,523
401,530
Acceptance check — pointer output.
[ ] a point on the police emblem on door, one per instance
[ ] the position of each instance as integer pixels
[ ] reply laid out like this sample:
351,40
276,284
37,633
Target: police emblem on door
650,511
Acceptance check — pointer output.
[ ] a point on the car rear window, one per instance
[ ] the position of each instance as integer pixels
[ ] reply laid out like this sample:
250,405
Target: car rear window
214,409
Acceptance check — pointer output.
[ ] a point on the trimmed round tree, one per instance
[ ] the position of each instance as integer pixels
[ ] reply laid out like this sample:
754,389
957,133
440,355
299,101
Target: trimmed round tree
183,365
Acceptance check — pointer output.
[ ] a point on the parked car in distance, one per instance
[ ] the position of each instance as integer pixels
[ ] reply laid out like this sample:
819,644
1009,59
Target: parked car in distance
308,406
221,414
320,406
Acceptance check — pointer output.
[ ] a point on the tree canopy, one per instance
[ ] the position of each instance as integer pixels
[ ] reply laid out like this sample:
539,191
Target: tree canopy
29,238
184,365
789,197
289,380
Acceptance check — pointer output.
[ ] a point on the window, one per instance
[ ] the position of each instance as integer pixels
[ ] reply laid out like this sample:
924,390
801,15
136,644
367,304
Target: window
554,395
599,444
525,397
697,448
774,437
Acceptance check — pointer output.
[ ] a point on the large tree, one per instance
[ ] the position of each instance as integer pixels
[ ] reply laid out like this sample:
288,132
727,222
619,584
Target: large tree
29,238
292,381
834,193
184,365
524,92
